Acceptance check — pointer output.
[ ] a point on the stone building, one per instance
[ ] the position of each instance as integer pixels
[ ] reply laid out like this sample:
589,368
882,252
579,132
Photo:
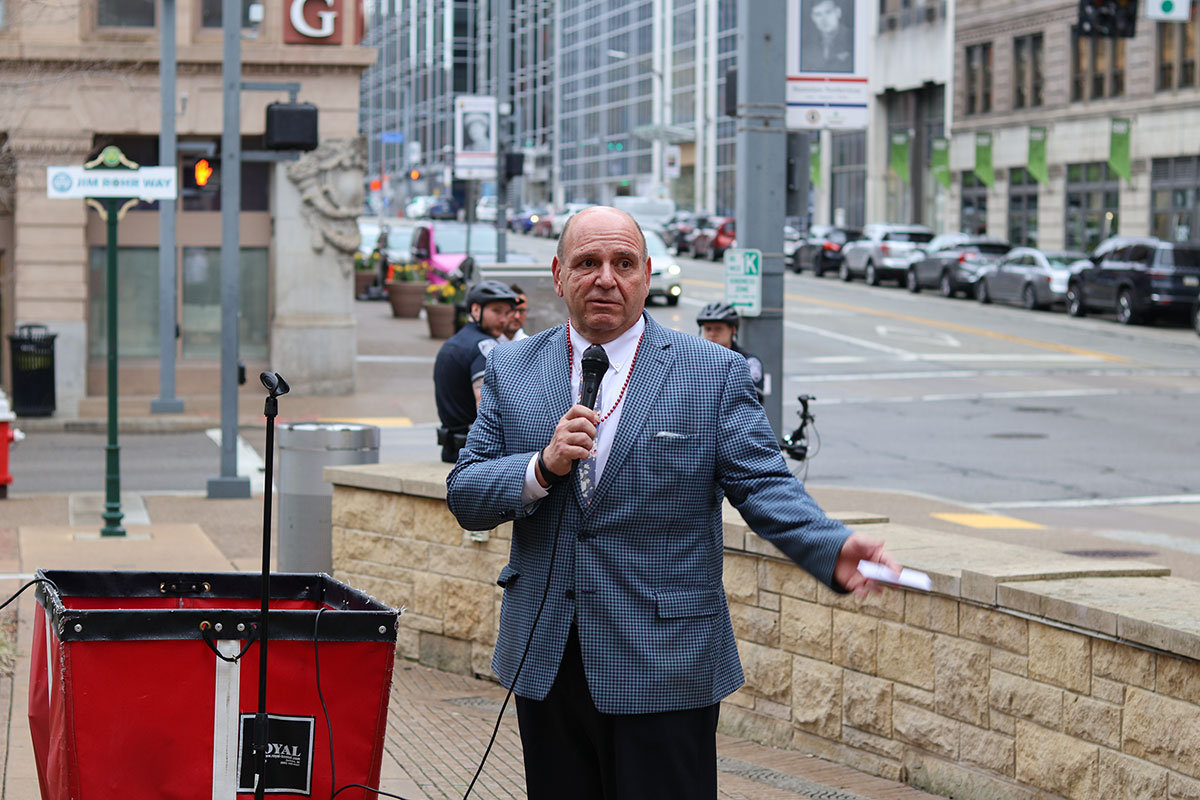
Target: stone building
77,75
1023,76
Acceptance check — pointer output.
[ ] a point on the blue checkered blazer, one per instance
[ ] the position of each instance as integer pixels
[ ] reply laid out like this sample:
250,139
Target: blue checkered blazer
639,568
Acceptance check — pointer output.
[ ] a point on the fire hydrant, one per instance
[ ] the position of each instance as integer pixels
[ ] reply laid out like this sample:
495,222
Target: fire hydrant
8,435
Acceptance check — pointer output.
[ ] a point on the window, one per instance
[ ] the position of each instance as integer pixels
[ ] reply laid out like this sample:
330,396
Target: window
1022,208
1097,68
1027,71
848,188
1093,205
125,13
211,15
137,301
200,326
1177,54
979,78
1175,198
974,204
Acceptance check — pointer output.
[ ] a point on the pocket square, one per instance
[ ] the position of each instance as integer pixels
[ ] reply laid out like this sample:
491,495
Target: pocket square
669,435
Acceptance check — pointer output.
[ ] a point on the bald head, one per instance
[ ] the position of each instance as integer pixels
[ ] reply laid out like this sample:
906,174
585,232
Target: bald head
564,238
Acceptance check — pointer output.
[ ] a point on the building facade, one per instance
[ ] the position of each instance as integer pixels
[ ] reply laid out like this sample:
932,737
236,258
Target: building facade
83,74
1087,137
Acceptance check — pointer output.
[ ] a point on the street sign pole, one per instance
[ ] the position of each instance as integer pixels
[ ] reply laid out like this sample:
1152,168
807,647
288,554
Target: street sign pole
112,451
760,185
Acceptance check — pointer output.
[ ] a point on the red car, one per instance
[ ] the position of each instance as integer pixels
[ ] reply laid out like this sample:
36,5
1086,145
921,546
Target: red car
543,224
713,242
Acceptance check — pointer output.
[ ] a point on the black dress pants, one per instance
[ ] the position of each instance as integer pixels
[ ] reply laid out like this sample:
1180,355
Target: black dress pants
572,750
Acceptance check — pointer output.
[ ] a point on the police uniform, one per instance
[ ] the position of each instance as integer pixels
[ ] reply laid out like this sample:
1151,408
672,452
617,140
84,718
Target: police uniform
459,364
756,369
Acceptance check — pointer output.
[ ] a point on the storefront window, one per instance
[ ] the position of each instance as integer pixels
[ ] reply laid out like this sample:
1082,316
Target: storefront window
200,326
848,194
1093,205
211,14
137,302
1022,208
974,204
1175,198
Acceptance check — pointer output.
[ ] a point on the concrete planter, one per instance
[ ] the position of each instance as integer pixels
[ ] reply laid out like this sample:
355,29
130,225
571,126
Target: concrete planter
441,320
406,297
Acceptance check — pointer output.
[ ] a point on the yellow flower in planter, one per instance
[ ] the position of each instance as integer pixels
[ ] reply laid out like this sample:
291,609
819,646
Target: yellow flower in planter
408,273
442,294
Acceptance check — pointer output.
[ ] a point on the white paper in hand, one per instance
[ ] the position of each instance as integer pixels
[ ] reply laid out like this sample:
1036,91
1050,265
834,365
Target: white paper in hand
911,578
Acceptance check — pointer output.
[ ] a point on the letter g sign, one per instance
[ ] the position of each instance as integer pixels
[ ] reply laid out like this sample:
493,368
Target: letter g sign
323,30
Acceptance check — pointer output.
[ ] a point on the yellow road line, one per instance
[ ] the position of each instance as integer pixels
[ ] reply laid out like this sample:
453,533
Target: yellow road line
933,323
995,521
380,422
958,328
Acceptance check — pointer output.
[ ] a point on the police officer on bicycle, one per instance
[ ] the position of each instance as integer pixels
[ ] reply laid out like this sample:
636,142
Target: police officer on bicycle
719,324
458,369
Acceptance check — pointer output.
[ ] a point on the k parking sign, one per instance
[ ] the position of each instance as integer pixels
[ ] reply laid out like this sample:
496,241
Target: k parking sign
743,281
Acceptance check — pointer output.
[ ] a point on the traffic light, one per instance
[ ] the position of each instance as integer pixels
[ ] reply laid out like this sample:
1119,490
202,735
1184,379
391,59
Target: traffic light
414,174
200,173
1107,18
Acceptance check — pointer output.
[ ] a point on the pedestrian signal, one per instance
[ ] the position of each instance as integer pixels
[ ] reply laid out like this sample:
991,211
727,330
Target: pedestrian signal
202,171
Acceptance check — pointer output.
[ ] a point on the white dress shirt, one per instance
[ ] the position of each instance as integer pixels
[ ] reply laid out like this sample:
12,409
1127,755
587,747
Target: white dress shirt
621,352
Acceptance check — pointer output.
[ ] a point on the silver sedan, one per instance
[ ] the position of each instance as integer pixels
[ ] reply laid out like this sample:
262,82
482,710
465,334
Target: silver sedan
1028,277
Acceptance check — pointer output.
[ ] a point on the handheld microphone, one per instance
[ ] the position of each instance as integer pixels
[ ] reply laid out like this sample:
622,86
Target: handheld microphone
594,364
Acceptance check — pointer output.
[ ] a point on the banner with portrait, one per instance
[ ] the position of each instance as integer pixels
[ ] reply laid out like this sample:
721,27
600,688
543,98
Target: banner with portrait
827,64
475,137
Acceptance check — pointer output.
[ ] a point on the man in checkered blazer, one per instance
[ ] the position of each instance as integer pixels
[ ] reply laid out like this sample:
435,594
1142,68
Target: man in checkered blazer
633,651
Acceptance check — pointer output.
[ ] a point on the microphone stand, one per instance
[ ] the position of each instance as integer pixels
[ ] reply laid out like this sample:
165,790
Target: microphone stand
276,386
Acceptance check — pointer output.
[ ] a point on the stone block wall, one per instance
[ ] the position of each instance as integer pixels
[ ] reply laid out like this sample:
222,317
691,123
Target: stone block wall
1024,674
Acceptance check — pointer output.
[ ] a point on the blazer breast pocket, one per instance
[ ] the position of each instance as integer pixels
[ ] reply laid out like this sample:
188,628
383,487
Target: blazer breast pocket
672,454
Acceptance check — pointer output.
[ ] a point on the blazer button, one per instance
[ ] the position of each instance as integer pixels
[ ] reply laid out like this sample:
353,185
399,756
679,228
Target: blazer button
569,594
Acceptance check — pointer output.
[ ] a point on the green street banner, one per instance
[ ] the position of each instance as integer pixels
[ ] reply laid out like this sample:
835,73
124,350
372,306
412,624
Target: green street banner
983,159
1118,148
899,158
939,162
1035,164
814,160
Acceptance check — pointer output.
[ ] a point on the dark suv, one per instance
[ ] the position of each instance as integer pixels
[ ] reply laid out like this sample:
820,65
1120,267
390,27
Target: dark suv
1136,280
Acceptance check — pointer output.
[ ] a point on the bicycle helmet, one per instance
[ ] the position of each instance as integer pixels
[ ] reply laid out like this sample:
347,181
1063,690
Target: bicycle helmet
717,312
491,291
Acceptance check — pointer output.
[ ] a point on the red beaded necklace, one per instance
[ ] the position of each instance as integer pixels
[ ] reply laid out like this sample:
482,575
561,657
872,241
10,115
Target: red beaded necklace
628,375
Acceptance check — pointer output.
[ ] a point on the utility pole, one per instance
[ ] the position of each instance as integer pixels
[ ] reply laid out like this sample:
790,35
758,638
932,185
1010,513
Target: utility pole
501,62
760,185
166,402
229,483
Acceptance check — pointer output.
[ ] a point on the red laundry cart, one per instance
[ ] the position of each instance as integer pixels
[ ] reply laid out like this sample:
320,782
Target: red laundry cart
144,685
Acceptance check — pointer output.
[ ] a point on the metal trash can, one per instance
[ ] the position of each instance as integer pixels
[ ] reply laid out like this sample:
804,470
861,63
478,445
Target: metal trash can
32,371
305,499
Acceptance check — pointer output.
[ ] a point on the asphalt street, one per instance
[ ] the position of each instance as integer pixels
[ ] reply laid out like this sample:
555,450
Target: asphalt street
1070,424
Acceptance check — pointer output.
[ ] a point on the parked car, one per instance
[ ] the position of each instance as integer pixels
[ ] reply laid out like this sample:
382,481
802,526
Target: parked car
523,220
1027,276
664,270
442,246
713,242
702,225
543,224
397,246
678,232
485,209
418,207
443,208
559,219
821,250
1137,281
791,241
651,213
882,253
955,266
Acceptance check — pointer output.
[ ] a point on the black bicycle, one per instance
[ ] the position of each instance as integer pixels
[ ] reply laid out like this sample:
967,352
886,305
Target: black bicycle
797,443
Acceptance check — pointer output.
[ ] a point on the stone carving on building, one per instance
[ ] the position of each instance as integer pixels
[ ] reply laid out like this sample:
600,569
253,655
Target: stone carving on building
330,182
